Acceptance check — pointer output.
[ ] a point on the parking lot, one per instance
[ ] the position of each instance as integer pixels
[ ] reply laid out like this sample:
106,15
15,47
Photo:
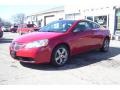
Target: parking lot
89,68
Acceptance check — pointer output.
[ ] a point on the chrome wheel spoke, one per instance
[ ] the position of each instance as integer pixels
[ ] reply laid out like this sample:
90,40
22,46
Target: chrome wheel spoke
61,61
106,45
64,56
63,51
59,53
57,58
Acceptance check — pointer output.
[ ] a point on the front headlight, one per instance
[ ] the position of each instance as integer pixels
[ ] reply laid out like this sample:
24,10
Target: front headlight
39,43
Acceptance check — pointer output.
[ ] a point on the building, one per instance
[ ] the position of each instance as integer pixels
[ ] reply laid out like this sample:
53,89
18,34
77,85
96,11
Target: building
43,18
107,16
72,12
117,20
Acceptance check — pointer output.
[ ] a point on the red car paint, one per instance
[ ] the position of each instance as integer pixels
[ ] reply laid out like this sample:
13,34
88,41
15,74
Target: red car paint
78,42
26,28
14,29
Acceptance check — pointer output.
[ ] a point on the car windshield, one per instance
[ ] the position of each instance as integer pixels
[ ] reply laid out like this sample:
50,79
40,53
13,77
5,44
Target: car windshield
57,26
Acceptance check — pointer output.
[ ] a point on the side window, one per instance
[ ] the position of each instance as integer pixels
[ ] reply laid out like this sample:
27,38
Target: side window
83,26
95,26
91,25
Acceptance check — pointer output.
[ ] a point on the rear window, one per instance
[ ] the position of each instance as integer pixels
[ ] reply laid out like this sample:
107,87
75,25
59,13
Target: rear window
94,25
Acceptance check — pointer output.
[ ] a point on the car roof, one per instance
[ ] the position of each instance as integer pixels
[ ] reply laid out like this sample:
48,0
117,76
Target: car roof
66,20
89,21
77,20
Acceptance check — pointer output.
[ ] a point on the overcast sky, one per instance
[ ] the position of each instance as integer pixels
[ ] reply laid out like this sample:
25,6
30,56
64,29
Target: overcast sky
9,8
7,11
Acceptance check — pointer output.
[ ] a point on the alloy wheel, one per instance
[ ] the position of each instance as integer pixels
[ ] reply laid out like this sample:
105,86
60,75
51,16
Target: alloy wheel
61,56
106,45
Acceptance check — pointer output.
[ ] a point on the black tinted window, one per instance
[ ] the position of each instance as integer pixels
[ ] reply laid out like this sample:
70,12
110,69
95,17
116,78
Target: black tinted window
95,26
83,25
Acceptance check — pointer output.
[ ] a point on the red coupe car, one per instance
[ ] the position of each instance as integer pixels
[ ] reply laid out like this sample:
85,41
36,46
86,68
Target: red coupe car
26,28
59,40
14,28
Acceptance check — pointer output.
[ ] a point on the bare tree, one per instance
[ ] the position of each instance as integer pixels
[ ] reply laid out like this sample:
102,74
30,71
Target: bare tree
1,22
7,23
4,23
19,18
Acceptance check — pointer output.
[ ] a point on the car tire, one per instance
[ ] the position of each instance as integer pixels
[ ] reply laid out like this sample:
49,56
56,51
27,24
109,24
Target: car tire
105,46
60,56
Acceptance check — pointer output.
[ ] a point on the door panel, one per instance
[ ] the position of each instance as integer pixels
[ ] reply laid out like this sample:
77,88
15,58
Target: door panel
98,37
84,40
81,42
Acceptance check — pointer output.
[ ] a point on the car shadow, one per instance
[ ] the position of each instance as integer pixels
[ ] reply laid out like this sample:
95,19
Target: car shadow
78,61
5,40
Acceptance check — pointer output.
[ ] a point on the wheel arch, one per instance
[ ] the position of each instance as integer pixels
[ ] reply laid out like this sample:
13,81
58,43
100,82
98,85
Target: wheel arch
107,37
62,44
57,46
102,47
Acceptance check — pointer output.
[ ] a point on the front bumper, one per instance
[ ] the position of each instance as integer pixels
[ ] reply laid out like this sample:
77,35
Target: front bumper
32,55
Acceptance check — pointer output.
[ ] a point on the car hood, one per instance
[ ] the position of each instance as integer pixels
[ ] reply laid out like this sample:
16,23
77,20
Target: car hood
30,37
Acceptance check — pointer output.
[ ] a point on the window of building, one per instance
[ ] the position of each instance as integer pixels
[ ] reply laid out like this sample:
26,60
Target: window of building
118,19
90,18
102,20
118,22
73,16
